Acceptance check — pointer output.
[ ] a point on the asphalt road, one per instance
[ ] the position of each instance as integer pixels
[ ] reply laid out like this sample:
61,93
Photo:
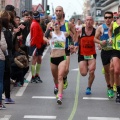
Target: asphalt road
37,101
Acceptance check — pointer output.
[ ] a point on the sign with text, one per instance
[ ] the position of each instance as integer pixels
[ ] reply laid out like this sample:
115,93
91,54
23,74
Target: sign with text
98,12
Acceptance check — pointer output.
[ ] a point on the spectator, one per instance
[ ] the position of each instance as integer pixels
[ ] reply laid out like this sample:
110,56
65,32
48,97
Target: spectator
36,46
11,8
5,16
3,48
19,67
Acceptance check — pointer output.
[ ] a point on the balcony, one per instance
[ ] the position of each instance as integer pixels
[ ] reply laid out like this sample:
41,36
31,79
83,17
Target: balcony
108,6
107,2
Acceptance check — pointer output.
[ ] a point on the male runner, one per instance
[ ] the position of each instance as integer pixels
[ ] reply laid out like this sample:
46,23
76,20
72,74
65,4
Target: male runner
115,28
101,37
87,53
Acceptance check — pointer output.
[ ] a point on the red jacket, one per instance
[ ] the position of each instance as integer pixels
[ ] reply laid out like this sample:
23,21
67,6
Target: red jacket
36,34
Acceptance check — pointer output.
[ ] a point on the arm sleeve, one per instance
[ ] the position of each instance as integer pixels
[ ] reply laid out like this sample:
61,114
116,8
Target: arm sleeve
47,33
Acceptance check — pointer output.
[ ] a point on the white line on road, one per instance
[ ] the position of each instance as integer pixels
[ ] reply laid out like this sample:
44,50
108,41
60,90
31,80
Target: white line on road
94,98
39,117
44,97
22,89
77,69
6,117
103,118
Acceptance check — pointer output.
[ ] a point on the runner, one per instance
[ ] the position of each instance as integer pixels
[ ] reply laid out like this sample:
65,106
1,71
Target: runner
115,28
57,57
66,27
101,37
87,53
78,25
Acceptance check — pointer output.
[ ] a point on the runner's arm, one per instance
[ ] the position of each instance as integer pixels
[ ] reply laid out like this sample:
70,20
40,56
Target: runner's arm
97,35
66,34
72,29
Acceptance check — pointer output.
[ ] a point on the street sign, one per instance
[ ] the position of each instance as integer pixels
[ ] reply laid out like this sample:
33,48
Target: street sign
40,8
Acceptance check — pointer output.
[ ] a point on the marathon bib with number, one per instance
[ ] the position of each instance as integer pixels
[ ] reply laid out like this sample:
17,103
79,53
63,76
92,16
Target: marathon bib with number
109,45
88,57
58,41
118,44
58,44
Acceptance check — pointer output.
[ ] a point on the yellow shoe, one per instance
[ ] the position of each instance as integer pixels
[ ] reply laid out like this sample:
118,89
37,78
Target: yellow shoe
114,88
103,71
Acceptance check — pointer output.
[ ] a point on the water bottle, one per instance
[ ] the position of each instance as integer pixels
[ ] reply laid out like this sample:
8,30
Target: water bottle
53,18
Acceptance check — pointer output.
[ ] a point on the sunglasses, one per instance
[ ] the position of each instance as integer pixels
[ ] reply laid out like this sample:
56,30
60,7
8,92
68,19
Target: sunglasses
116,17
56,24
108,17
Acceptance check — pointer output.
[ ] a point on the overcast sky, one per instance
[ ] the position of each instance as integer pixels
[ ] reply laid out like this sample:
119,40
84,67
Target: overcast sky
70,6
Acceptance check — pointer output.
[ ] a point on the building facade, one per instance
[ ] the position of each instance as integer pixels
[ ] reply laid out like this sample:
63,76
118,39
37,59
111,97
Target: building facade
86,10
98,8
2,4
20,5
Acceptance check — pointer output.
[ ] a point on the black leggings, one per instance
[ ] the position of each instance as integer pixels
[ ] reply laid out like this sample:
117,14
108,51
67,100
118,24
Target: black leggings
6,81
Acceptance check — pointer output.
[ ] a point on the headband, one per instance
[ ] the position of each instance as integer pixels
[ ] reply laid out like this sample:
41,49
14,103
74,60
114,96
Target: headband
38,16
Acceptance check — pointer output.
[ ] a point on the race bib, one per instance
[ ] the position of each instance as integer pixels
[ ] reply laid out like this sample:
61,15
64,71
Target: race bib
88,57
109,45
118,44
58,45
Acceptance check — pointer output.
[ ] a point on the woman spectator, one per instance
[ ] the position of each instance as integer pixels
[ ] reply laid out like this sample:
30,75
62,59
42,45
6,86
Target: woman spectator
5,16
3,48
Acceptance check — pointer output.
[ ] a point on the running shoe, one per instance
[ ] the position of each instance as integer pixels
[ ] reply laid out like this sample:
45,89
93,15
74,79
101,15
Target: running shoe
114,88
2,107
110,93
38,79
88,91
103,71
65,85
33,80
9,101
55,91
59,101
118,98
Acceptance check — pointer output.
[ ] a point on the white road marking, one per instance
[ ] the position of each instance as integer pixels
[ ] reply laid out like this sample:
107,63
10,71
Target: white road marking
22,89
94,98
77,69
39,117
103,118
44,97
6,117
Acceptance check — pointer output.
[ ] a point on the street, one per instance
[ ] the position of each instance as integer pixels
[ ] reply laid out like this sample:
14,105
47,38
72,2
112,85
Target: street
36,101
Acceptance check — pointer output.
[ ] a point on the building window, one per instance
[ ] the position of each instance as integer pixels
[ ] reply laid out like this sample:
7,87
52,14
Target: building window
2,3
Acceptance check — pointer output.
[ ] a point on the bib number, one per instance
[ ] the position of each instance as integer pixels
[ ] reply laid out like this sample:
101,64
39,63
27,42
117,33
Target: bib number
88,57
118,44
109,45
